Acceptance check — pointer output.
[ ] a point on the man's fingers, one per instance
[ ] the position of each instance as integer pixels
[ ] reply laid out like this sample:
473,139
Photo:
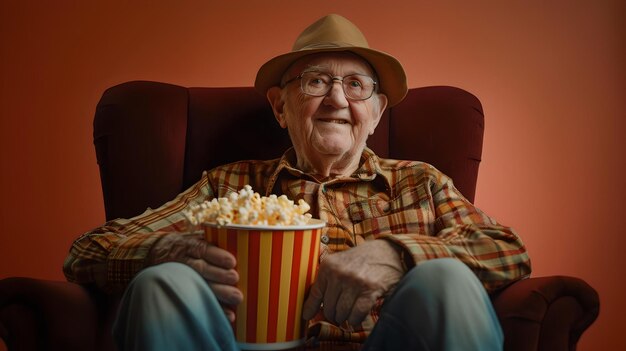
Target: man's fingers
219,257
199,248
344,305
331,297
316,295
313,301
213,273
230,313
361,307
226,294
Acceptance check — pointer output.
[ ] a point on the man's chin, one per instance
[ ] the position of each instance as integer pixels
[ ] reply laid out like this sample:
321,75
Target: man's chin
333,151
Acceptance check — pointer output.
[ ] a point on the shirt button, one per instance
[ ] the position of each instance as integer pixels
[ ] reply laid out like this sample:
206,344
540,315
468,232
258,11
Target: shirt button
325,239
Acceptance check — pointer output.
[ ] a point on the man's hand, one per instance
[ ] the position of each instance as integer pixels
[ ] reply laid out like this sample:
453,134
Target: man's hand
350,282
216,265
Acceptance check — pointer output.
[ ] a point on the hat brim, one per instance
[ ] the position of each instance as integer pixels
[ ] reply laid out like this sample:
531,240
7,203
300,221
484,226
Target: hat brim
391,76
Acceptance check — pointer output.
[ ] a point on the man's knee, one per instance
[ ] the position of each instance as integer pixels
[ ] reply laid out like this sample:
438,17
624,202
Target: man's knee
168,279
442,302
172,289
171,307
441,274
439,279
165,273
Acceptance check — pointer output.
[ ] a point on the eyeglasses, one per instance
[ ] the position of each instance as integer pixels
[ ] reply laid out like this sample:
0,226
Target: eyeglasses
355,86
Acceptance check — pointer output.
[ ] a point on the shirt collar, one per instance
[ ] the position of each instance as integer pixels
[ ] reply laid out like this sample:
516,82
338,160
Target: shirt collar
369,168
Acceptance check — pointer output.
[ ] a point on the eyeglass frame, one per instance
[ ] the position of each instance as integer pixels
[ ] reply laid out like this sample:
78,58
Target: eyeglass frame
330,86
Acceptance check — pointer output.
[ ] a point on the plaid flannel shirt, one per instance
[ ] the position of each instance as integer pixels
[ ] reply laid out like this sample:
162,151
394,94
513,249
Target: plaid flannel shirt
409,203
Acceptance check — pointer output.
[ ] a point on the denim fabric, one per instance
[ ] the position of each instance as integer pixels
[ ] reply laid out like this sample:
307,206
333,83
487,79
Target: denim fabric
438,305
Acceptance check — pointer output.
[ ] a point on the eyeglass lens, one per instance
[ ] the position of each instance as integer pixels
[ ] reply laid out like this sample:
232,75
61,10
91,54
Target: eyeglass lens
355,86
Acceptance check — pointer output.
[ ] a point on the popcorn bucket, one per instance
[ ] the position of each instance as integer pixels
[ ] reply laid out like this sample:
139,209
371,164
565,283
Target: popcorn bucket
276,266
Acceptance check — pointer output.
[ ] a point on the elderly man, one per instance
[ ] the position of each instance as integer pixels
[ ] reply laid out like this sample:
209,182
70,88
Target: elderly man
406,261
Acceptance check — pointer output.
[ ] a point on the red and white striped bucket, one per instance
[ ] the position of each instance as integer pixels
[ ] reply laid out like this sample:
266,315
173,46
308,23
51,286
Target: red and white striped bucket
276,267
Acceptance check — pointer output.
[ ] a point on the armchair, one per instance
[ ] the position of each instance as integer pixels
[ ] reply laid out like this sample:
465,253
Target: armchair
153,140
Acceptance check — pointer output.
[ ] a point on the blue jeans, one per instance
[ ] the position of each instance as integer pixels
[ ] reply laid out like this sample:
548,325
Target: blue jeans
438,305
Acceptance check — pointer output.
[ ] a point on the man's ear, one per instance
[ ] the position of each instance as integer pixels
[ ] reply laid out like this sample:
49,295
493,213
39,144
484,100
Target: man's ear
275,97
382,104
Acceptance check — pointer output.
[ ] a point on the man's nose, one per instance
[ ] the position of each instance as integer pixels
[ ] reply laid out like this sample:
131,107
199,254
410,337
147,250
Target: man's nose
336,96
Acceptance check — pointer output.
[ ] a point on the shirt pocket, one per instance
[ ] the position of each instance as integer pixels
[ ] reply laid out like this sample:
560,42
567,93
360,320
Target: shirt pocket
410,212
369,208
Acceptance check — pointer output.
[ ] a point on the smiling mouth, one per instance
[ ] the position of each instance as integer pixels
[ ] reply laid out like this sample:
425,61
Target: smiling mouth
337,121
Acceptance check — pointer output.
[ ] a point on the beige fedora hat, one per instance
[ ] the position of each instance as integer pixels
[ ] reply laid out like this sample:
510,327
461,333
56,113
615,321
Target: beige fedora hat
335,33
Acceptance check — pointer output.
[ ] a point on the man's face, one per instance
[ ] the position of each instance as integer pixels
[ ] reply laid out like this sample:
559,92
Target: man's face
330,127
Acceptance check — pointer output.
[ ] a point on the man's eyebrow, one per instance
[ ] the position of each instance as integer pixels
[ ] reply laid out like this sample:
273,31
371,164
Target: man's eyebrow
326,69
316,68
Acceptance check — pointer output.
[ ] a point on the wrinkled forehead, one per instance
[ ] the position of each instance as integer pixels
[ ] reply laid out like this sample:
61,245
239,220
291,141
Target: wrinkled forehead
340,63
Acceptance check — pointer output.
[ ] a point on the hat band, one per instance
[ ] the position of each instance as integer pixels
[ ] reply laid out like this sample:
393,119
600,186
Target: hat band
327,45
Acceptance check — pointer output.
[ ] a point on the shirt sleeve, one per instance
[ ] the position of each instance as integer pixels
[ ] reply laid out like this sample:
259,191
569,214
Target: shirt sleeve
111,255
494,252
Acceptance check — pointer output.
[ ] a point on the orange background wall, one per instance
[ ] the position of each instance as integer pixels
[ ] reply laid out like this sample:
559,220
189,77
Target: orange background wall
551,76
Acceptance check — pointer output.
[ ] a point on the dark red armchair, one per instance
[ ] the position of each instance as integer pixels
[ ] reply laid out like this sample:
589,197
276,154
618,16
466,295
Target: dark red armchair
153,140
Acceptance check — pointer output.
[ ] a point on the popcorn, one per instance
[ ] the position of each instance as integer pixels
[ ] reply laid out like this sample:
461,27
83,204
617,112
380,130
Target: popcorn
249,208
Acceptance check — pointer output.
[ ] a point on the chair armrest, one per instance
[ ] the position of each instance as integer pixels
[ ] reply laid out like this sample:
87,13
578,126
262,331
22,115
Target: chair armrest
546,313
54,315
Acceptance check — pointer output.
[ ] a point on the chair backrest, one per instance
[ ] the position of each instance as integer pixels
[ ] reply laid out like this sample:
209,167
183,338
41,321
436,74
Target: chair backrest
153,140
